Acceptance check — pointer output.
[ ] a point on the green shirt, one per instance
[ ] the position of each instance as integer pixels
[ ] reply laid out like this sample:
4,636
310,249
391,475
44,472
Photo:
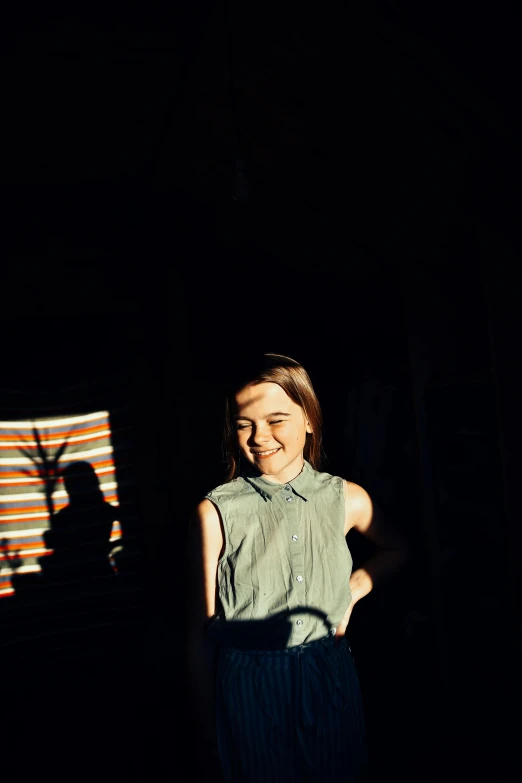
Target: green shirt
283,578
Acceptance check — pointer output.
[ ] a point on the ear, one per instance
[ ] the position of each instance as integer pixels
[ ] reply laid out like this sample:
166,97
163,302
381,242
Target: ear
308,428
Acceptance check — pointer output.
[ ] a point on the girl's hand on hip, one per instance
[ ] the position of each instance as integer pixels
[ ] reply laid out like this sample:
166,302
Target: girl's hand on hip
341,628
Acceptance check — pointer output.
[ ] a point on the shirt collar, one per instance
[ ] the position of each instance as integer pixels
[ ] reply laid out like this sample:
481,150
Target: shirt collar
301,485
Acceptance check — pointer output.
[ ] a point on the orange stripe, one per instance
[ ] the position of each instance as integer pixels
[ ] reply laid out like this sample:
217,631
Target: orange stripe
28,510
16,547
4,510
18,474
49,436
33,445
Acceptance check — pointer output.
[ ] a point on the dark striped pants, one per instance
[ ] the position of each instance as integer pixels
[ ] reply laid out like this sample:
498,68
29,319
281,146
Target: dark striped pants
292,715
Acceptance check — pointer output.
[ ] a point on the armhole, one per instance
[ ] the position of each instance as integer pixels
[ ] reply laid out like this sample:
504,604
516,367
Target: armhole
343,506
345,535
223,530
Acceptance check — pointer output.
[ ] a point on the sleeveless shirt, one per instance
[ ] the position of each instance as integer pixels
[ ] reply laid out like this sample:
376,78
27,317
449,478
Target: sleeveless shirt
283,577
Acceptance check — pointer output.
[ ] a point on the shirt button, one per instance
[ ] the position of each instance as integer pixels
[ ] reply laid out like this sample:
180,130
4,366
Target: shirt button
299,578
288,500
294,537
298,622
287,487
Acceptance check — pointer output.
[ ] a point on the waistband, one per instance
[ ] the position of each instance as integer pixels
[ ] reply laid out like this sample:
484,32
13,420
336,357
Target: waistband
325,641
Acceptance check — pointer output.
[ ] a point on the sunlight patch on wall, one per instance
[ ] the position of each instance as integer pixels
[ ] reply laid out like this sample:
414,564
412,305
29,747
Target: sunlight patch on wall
32,456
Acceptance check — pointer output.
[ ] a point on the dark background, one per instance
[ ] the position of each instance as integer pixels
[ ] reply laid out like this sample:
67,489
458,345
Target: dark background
377,244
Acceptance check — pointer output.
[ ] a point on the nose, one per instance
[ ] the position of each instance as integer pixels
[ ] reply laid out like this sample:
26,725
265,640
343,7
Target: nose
259,435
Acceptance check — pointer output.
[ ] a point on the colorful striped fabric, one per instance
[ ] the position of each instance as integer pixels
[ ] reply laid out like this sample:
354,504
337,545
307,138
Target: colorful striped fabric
32,454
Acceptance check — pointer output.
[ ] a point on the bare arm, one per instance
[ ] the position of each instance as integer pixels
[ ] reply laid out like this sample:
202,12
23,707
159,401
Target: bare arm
204,547
363,515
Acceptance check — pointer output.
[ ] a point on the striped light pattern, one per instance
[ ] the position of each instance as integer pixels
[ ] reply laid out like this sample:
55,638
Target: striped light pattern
31,455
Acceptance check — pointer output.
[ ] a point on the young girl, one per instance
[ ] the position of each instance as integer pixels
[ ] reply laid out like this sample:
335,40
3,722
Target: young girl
273,686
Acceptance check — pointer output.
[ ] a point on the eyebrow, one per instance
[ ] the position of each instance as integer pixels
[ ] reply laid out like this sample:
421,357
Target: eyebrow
275,413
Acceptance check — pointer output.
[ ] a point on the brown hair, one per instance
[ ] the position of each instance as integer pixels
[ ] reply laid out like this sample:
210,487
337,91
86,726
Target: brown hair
295,381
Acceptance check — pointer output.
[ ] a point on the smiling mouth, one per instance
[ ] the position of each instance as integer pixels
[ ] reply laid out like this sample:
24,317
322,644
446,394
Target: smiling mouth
263,454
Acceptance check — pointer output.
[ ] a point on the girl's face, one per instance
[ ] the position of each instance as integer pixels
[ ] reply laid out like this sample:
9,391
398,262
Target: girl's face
271,431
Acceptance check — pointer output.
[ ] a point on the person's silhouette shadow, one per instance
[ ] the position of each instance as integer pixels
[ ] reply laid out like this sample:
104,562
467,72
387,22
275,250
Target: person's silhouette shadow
80,533
72,608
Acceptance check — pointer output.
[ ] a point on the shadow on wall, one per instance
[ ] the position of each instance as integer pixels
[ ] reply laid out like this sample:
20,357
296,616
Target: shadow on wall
80,533
75,606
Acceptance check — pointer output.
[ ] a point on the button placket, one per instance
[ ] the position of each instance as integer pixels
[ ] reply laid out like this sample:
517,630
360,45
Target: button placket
290,505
